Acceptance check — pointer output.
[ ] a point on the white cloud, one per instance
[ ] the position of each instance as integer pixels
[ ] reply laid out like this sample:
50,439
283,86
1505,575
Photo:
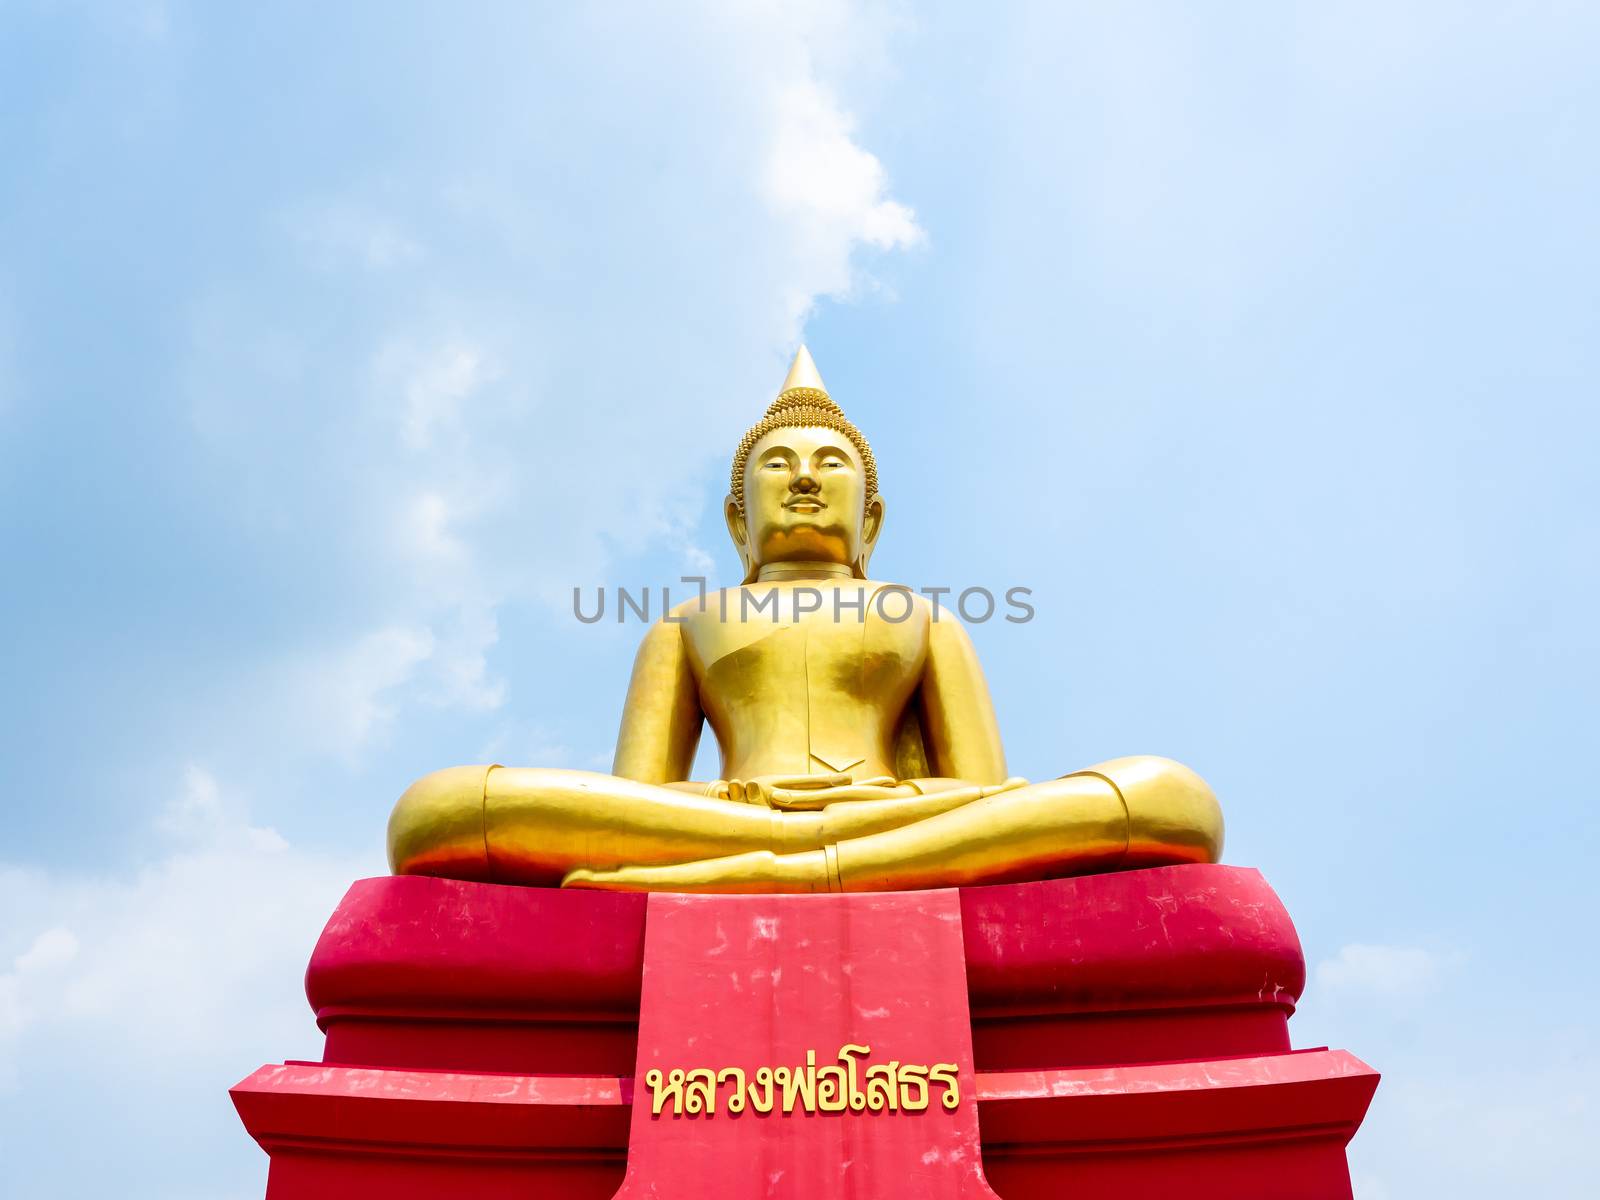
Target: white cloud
340,233
196,811
459,675
1387,974
49,951
352,697
832,194
195,958
426,530
343,700
434,384
1481,1129
1466,1108
465,440
528,743
698,561
496,363
52,948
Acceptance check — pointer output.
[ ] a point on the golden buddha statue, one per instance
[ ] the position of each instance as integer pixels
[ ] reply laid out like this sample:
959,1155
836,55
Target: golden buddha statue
859,745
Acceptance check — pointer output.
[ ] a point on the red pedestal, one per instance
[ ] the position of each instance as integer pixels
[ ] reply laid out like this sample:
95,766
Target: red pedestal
1128,1037
854,983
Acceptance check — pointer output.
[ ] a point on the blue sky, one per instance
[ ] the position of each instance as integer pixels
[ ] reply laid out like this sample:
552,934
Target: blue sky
337,347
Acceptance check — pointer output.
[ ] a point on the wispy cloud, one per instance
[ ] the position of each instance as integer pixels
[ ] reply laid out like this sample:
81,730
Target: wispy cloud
408,390
339,234
478,428
434,383
1384,974
190,961
831,192
1482,1128
342,700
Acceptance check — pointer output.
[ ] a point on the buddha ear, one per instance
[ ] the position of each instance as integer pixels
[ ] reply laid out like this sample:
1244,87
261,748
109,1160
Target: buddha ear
871,526
740,534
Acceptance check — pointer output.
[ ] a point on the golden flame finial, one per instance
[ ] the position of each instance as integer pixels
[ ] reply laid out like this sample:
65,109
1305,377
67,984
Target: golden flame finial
803,374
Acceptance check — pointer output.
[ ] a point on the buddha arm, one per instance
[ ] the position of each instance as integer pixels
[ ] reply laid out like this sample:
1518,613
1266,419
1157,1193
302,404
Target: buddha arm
661,719
958,721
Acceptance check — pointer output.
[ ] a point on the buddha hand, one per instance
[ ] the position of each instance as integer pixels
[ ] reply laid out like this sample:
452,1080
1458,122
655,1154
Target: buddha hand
808,793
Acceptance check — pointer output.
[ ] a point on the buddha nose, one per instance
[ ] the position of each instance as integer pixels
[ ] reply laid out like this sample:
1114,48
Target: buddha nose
805,481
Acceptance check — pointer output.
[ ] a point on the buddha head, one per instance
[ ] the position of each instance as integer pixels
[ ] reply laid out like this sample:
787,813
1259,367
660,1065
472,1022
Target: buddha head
805,484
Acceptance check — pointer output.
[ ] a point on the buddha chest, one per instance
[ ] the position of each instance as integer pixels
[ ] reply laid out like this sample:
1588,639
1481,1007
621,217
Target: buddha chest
807,679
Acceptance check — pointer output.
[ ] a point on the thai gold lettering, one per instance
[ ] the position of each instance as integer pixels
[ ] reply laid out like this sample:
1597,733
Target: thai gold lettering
736,1099
799,1084
700,1091
761,1100
855,1098
661,1092
836,1087
883,1087
913,1087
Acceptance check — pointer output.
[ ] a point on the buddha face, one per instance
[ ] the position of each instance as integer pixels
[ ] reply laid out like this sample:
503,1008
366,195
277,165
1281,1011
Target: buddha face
805,500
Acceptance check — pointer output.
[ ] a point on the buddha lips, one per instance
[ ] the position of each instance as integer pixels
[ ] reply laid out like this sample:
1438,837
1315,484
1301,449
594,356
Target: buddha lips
889,1087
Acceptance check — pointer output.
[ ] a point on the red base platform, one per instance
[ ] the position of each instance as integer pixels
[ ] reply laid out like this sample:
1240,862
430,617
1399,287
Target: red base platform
1118,1035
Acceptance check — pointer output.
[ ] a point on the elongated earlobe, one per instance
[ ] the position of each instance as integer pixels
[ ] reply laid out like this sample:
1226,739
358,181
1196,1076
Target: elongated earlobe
740,535
871,525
